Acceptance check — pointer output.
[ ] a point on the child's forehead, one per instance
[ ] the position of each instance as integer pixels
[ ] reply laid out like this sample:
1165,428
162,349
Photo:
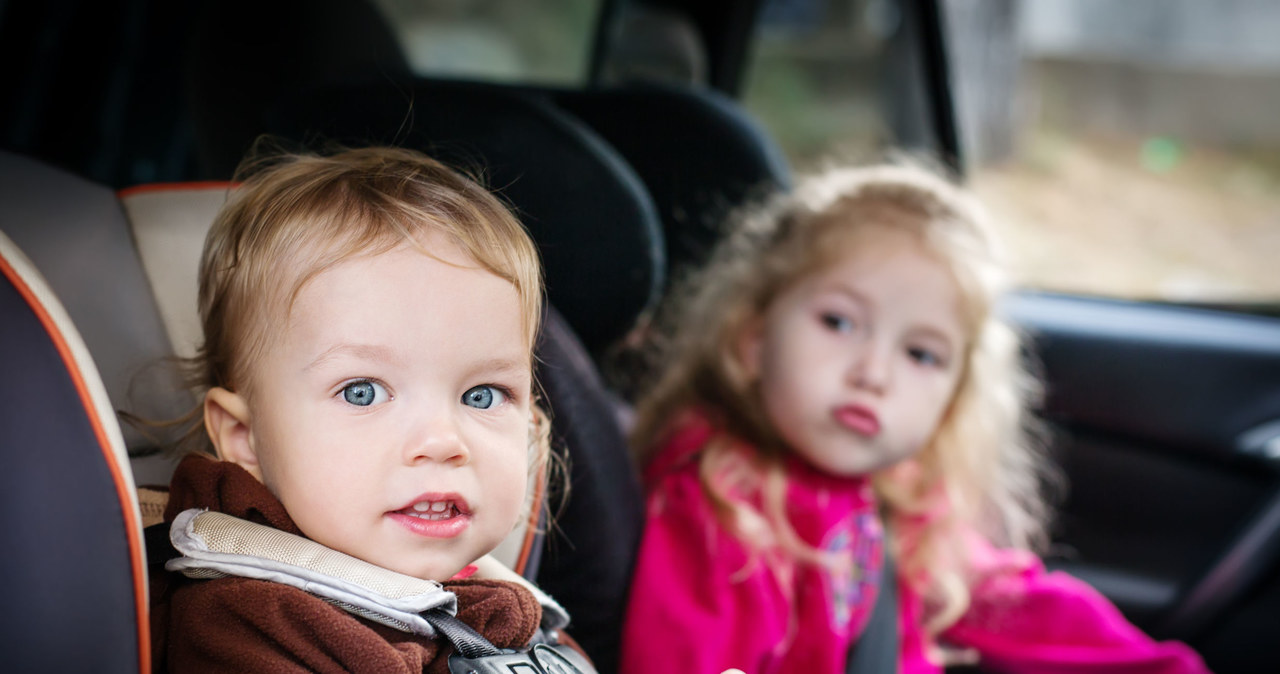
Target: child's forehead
408,301
434,267
869,244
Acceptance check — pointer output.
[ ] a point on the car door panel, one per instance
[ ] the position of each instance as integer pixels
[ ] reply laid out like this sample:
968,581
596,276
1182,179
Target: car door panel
1163,421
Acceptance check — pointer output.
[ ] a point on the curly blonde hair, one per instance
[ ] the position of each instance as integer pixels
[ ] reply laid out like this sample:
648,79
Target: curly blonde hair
980,471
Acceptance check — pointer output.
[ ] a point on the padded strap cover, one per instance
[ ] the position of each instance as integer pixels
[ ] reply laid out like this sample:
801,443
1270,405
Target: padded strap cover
214,544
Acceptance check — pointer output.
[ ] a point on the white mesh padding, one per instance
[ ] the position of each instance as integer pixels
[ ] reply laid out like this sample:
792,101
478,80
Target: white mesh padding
214,544
230,535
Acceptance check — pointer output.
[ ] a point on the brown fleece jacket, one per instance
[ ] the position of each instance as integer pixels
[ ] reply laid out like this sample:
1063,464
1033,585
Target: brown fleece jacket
245,625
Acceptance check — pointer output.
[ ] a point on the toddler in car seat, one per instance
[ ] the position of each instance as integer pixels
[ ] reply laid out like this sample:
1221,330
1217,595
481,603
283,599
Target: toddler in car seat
837,388
369,321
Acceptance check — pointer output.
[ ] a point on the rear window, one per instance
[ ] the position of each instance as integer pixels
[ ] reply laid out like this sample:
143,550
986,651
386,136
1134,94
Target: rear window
498,41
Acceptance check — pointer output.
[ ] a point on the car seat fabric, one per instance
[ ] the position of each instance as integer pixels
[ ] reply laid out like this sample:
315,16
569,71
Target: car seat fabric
169,222
72,572
595,225
698,152
591,544
76,234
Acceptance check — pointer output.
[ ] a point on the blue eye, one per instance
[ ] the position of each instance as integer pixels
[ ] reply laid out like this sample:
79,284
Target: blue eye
837,323
924,356
365,393
483,397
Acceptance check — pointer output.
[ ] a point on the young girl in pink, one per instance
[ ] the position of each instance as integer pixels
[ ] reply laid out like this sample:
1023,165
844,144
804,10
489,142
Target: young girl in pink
840,387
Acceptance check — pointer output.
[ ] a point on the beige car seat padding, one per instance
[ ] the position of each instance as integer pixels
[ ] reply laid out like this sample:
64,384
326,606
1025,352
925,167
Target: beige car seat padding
170,223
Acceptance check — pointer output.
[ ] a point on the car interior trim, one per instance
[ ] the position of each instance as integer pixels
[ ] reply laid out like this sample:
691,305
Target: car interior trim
1239,569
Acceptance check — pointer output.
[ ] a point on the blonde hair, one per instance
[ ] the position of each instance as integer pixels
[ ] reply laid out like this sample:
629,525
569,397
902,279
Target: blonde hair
292,216
980,470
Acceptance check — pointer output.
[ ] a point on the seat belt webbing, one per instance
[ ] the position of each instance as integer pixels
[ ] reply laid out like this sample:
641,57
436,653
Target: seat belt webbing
877,650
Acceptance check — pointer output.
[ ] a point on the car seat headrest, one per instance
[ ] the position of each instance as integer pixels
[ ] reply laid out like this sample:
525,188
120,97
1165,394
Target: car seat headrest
76,234
169,224
698,152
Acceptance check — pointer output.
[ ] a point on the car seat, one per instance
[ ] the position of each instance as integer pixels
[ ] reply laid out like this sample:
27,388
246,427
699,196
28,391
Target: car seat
698,152
73,570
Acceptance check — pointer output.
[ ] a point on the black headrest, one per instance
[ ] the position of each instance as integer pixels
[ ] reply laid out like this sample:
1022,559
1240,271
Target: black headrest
594,222
699,153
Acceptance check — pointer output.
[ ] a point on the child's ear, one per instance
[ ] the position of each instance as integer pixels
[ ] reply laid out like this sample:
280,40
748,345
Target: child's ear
226,418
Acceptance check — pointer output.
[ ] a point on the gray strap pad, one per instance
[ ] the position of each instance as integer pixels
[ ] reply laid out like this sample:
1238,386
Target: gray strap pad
215,544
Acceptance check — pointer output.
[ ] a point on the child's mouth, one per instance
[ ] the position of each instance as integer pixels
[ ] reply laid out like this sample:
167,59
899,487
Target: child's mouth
434,517
859,419
432,510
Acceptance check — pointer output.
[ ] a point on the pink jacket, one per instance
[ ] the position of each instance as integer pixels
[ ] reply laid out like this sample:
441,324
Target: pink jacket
701,604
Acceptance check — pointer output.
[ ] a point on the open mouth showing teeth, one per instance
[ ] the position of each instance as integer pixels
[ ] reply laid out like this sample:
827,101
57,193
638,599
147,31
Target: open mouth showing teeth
432,510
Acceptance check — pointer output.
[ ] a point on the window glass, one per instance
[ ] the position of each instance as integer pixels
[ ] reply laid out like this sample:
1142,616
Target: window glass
814,76
1141,154
496,40
1128,149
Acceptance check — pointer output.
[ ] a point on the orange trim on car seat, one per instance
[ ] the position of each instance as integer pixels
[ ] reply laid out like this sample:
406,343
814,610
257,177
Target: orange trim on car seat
131,526
175,187
531,529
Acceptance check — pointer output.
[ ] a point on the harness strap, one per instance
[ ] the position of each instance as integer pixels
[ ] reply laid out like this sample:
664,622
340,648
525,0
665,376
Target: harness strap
877,650
468,642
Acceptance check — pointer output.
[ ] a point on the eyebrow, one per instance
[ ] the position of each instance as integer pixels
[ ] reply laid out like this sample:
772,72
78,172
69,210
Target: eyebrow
374,352
840,288
927,328
502,366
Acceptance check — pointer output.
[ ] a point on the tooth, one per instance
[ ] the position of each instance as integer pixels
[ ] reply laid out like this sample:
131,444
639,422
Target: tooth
439,506
422,506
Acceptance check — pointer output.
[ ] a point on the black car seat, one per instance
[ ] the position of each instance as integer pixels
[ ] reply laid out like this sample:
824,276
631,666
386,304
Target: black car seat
72,572
698,152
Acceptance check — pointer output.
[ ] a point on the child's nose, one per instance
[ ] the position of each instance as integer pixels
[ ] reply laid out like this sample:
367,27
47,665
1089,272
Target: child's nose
438,440
872,367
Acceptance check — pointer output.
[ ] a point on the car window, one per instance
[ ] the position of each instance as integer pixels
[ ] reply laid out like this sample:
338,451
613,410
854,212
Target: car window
1128,149
814,77
496,40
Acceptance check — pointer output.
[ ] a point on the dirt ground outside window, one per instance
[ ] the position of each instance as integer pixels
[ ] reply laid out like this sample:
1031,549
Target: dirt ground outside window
1139,218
